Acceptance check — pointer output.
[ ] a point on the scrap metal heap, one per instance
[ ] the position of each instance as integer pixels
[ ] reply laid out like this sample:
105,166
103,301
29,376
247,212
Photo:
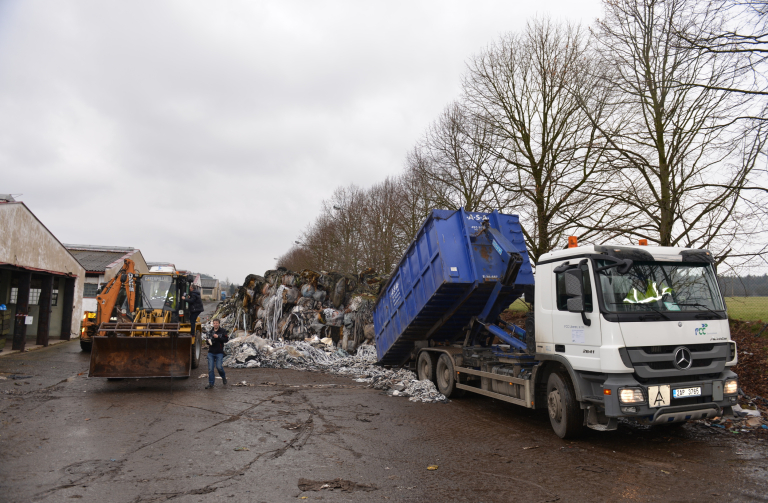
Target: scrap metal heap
288,305
313,321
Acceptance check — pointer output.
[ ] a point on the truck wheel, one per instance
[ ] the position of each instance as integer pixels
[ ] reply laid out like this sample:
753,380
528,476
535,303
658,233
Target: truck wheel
197,348
426,366
564,412
446,377
85,345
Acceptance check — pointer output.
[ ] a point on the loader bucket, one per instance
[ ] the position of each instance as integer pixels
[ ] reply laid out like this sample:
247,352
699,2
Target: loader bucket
122,356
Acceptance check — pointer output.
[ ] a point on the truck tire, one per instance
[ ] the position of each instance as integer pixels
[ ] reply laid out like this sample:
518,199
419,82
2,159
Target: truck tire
197,348
565,414
85,345
426,366
446,377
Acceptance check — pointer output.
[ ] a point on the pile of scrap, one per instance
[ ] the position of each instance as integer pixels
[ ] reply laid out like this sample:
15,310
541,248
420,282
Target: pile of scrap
314,321
252,351
297,306
746,418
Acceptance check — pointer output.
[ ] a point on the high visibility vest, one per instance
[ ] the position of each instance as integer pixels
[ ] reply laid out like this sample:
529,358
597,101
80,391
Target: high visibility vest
652,294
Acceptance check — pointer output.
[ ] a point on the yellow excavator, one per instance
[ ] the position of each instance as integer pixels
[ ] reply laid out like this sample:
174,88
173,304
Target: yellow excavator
140,328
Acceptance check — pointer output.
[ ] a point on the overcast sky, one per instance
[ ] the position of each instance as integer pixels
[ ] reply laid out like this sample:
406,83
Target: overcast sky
208,133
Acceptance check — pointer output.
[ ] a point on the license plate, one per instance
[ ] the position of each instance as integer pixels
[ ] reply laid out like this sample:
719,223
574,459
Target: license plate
658,396
684,392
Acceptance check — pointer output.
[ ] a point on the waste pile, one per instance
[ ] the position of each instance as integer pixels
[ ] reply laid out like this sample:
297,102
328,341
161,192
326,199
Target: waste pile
251,351
745,418
286,305
314,321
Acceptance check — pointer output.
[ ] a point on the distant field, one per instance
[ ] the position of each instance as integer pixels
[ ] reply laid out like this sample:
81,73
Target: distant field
747,308
739,308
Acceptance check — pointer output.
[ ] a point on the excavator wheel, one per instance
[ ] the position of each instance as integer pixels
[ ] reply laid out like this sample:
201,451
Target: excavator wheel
197,348
85,345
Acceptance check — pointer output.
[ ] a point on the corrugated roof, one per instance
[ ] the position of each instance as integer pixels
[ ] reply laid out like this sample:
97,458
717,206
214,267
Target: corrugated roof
125,249
208,283
96,261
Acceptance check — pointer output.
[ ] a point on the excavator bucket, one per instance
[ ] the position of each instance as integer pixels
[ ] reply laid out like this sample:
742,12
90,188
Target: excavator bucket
140,350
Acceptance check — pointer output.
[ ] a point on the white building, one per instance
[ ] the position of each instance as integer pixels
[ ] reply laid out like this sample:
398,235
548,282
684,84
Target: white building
101,264
41,283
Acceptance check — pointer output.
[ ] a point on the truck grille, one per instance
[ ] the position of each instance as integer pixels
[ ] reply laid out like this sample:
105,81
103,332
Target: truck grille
652,362
658,350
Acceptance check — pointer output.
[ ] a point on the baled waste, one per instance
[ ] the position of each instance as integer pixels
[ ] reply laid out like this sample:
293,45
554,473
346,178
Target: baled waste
321,322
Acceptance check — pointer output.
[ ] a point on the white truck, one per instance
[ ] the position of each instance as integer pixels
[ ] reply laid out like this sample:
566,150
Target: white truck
638,332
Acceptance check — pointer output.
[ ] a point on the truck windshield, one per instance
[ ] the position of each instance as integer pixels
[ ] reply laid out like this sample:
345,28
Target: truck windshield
159,292
659,286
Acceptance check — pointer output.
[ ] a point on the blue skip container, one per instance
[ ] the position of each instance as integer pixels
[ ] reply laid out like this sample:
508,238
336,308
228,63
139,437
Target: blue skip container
446,276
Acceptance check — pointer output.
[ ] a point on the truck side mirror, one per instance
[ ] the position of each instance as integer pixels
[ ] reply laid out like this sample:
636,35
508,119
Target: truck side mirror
574,290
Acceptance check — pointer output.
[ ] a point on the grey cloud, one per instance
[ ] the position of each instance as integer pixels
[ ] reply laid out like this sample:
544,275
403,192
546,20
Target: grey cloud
208,133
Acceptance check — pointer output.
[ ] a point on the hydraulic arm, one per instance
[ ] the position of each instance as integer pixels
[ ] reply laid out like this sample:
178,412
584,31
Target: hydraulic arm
107,299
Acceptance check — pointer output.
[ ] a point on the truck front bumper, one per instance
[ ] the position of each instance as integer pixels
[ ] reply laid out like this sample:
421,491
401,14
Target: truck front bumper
710,403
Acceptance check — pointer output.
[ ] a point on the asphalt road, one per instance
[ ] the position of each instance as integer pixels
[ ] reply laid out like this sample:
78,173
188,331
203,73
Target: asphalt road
299,436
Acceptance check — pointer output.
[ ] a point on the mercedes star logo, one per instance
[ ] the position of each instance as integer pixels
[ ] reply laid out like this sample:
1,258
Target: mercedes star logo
683,358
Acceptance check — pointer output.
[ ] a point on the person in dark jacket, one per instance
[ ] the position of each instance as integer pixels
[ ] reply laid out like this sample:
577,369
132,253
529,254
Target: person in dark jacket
218,337
195,304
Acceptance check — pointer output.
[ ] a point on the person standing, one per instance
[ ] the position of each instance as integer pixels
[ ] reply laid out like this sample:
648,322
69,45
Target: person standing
218,338
195,304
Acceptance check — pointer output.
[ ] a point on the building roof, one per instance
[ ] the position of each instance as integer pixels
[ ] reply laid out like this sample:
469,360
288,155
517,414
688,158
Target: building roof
208,283
124,249
96,261
7,201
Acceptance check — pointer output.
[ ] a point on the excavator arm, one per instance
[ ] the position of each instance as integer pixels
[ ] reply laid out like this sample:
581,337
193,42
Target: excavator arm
107,299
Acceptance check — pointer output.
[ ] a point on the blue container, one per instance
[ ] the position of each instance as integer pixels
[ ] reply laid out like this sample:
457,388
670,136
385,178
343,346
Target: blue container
445,277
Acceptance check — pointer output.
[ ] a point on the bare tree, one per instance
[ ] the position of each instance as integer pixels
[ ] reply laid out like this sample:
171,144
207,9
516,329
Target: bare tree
676,138
379,240
456,161
525,88
415,200
742,33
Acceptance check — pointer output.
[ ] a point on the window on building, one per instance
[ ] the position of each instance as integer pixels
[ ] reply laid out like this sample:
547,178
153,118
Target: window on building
207,291
54,297
34,296
89,290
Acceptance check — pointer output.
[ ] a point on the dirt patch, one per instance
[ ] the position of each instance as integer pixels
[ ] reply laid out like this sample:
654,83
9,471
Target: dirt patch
514,317
753,357
346,486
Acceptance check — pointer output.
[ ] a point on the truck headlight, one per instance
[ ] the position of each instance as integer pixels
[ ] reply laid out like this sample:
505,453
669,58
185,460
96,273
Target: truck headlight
631,395
731,387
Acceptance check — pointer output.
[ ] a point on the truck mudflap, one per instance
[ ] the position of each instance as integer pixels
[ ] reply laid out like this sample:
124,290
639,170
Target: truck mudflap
140,351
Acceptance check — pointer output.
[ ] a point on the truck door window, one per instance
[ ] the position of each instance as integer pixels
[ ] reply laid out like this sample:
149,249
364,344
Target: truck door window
562,299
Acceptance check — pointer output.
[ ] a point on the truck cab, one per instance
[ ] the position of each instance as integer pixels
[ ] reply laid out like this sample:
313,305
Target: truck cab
639,331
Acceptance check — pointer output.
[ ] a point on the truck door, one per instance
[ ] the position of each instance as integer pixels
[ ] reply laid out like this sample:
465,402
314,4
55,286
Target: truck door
572,337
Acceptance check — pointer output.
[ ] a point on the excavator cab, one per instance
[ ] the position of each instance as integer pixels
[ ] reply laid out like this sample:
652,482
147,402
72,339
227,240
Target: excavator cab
158,342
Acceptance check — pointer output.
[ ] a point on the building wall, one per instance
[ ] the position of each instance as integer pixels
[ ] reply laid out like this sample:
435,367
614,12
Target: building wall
57,311
214,295
25,242
140,265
